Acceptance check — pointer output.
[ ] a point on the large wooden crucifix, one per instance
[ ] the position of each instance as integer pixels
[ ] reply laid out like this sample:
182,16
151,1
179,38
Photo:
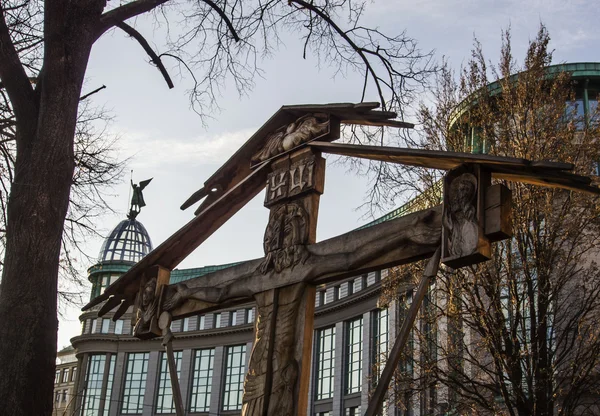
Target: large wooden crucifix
285,157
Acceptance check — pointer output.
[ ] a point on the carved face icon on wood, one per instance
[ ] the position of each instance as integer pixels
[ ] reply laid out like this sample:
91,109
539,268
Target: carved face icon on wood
148,293
147,306
461,221
285,237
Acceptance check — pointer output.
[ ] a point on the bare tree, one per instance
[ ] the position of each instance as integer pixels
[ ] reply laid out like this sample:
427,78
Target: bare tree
44,50
517,335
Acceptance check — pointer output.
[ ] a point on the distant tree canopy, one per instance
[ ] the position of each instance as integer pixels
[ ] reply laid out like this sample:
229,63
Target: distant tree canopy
517,335
50,174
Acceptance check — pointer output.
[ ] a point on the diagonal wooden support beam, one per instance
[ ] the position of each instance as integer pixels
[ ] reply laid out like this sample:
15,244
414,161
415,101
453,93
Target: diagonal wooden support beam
392,362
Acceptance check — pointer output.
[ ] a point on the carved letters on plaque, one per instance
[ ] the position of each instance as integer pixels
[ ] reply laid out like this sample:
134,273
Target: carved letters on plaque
294,180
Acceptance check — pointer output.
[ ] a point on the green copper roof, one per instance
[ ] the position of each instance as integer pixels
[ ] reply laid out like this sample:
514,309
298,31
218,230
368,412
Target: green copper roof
427,199
109,268
578,70
178,275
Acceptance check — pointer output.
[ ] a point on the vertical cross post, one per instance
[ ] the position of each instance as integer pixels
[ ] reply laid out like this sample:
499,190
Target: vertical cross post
277,382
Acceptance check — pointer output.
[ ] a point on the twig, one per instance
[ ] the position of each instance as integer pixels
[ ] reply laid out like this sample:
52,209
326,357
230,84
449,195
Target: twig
83,97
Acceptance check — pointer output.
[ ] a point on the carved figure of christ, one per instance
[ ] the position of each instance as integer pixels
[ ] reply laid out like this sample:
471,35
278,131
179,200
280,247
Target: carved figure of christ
279,368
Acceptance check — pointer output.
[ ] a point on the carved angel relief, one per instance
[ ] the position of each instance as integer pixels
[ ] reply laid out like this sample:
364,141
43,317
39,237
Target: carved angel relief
285,238
304,129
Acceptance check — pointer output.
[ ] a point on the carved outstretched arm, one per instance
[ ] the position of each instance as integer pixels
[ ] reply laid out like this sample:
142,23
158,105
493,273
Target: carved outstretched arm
422,232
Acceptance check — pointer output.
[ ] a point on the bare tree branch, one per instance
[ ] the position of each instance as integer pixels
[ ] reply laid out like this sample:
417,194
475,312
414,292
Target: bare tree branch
144,44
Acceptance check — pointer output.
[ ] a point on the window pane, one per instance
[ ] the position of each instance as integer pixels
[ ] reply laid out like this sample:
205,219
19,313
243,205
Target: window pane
93,385
380,341
234,377
202,380
164,398
325,356
105,326
119,327
111,376
135,383
249,315
354,356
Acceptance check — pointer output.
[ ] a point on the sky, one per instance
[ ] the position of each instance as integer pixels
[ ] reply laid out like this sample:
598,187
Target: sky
164,139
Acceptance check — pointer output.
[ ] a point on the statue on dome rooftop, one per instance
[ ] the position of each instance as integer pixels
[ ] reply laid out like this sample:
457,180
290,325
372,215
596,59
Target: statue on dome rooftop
137,199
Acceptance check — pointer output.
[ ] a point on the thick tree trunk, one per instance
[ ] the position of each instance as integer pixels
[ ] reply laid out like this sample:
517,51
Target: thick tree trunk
36,209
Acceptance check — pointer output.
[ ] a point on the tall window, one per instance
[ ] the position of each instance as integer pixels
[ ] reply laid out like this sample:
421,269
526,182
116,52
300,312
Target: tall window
94,325
217,320
202,380
57,377
202,322
110,378
233,318
380,340
234,377
65,376
164,398
354,356
135,383
93,385
325,362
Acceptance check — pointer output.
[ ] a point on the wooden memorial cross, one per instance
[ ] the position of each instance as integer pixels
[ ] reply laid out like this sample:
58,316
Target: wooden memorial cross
285,156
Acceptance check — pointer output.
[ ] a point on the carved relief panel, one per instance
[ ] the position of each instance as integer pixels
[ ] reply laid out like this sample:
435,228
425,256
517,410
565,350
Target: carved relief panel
463,239
304,129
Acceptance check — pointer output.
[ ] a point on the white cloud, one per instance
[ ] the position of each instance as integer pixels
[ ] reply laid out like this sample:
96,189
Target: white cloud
149,151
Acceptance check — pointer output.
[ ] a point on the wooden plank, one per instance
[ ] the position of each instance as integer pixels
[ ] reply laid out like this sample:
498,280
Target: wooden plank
513,169
379,123
498,213
238,167
435,159
179,407
187,238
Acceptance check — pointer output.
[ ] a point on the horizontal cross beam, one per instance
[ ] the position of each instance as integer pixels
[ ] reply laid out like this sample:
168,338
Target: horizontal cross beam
399,241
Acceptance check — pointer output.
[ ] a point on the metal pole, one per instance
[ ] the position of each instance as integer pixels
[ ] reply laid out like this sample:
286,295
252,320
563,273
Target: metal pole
390,366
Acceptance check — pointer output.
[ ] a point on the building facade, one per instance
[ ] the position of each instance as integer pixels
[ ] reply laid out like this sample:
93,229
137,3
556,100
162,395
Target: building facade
64,382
